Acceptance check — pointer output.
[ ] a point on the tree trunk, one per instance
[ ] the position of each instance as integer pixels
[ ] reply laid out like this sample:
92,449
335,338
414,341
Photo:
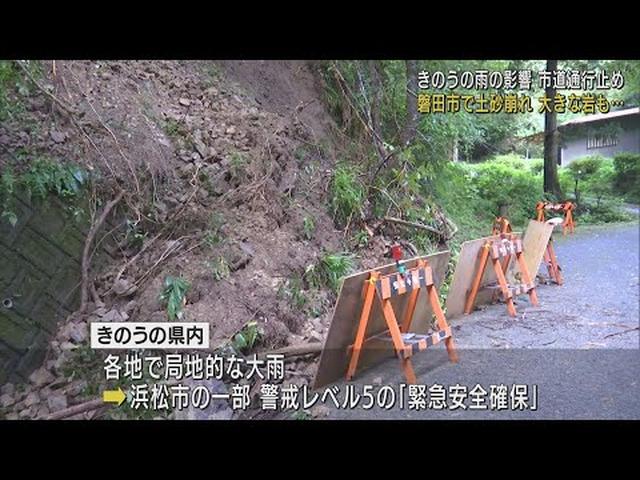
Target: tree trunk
455,153
411,120
551,182
376,105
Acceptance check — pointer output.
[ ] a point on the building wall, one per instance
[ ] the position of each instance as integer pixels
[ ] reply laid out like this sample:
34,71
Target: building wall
40,260
576,145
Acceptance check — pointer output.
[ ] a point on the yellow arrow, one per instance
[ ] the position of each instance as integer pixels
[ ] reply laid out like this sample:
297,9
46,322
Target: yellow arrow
114,396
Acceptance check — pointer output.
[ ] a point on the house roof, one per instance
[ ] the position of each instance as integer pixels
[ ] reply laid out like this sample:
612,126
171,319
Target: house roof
539,136
601,116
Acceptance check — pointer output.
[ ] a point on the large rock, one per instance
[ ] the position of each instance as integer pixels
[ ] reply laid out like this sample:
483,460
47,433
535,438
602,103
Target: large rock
32,399
8,389
41,377
79,332
6,400
56,401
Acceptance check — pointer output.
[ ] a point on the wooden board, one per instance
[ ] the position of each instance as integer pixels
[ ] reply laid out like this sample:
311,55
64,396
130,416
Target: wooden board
463,278
334,358
534,242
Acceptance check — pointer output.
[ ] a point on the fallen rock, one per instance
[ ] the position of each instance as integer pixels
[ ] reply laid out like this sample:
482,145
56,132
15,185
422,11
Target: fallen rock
320,411
185,102
201,148
130,307
57,402
41,377
26,413
42,412
7,400
76,388
7,389
57,137
113,315
79,332
65,346
32,399
124,288
315,337
61,360
317,324
310,370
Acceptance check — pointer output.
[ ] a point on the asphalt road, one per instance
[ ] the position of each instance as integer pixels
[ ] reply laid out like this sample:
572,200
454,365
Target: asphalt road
580,349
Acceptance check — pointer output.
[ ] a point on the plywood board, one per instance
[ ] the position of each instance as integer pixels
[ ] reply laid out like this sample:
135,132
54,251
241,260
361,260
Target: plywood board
534,242
466,266
463,275
334,358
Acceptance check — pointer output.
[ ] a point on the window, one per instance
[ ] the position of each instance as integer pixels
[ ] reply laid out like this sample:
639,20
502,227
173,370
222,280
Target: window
601,141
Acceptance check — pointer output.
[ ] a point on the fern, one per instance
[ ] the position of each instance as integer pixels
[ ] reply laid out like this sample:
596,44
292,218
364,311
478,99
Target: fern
174,295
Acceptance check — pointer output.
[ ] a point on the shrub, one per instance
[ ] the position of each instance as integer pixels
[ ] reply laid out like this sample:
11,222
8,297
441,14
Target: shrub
347,194
601,184
507,184
606,211
627,175
581,170
328,271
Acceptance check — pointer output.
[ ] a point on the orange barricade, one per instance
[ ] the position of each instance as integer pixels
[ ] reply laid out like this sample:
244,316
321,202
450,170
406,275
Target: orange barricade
502,246
501,225
568,224
405,343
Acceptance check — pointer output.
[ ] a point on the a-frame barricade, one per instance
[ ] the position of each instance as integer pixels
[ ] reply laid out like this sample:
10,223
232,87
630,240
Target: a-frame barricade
499,248
405,343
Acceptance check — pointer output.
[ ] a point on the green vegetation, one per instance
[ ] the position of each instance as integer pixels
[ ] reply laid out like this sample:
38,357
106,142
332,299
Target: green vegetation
360,239
214,235
292,291
627,176
329,270
174,295
583,169
219,268
135,236
347,194
176,131
14,87
246,338
460,167
506,185
43,177
301,415
238,165
308,228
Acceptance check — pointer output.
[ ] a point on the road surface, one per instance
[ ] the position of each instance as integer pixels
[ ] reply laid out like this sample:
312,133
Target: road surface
579,349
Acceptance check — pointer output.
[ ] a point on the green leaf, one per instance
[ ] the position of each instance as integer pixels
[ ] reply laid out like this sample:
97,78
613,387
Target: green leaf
240,342
11,217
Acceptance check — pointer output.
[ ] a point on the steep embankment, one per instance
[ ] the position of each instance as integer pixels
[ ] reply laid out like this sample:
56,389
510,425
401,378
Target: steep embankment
225,168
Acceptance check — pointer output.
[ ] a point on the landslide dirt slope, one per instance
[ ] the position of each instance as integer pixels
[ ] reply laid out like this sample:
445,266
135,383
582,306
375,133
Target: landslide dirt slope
240,151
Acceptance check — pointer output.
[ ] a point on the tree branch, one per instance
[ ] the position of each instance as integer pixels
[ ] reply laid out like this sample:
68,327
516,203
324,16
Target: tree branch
86,254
